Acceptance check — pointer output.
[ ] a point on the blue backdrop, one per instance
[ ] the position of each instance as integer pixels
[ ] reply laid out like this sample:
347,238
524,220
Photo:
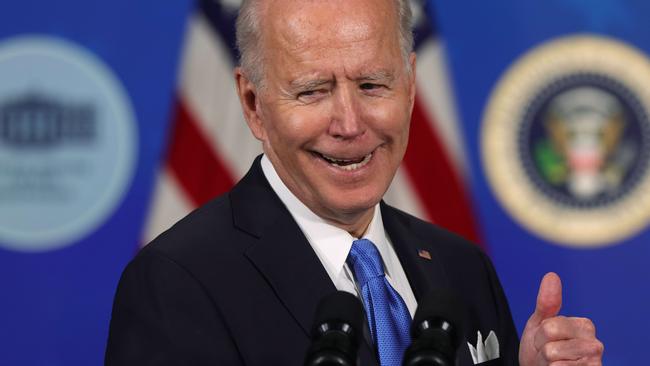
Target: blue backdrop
607,284
56,304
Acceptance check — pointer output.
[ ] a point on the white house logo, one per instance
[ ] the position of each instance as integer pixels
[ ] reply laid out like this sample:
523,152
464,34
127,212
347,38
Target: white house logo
35,121
566,141
67,143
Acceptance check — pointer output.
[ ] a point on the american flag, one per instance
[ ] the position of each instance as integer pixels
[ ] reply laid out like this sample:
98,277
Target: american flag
210,147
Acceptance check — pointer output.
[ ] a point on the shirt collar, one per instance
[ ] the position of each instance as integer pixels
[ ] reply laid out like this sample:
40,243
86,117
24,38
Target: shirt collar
330,243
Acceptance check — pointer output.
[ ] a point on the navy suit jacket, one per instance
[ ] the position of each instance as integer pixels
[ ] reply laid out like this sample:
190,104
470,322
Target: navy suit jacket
237,283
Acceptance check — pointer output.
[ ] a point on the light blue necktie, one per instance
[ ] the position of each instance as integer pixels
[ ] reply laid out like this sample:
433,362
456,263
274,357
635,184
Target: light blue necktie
388,316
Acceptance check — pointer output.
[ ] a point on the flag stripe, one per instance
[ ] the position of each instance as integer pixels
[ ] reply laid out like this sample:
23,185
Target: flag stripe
222,22
209,93
437,99
402,195
437,183
169,205
195,165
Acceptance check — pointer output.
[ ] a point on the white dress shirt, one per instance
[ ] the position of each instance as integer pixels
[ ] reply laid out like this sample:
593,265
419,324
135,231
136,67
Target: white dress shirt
333,244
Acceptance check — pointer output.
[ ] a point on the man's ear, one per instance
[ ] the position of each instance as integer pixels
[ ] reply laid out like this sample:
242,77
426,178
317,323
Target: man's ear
248,98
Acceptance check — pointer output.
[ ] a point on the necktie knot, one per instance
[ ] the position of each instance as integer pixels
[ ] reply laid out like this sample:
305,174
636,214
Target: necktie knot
365,261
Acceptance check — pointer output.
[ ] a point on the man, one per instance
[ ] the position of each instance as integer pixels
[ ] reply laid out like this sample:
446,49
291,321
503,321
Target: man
327,86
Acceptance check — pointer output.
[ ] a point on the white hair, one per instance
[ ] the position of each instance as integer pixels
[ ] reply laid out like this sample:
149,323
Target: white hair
248,35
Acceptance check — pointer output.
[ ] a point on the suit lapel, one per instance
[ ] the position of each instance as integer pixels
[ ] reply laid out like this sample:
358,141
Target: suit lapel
424,274
285,258
298,279
281,252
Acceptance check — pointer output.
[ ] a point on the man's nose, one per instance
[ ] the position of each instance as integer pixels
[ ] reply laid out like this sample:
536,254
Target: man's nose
347,120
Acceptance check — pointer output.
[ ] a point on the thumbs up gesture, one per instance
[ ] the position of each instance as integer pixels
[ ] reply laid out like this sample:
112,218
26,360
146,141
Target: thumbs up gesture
550,339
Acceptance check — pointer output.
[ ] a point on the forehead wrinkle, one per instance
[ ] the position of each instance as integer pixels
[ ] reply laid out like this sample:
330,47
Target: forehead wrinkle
377,75
308,83
312,45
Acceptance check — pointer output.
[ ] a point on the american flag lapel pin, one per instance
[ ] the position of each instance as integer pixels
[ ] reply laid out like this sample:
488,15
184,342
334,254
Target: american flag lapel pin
424,254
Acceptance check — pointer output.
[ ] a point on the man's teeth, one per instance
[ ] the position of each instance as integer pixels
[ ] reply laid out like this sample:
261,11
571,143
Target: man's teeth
348,165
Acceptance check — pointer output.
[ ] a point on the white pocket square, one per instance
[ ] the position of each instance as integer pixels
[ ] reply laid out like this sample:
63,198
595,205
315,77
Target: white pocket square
484,351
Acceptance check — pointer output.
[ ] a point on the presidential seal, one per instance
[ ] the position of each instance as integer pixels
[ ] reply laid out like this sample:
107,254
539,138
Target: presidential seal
566,141
68,143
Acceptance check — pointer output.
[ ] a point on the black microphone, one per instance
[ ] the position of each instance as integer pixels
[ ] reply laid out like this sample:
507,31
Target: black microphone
436,331
336,331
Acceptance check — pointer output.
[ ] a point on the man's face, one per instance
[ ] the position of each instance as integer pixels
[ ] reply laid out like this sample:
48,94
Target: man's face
335,109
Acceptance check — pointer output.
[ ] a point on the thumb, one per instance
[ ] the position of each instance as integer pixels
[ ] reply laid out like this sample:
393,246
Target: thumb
549,299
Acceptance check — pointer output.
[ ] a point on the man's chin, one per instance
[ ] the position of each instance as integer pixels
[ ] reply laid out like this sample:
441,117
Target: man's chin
349,212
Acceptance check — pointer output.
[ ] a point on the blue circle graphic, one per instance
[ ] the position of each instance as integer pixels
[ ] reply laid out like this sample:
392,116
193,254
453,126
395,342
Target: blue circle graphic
67,143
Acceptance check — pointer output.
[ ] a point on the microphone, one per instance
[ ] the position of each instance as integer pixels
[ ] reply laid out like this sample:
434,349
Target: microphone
336,331
436,331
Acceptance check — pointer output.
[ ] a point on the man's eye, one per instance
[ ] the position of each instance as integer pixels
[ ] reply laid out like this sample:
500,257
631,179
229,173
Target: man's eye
370,86
311,95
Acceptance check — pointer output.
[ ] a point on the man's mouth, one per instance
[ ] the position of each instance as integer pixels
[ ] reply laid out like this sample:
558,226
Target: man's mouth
346,164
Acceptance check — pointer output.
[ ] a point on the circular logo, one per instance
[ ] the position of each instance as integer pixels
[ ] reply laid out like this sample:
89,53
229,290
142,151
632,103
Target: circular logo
566,141
67,143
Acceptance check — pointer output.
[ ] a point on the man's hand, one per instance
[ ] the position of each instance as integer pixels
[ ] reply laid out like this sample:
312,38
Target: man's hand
554,340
